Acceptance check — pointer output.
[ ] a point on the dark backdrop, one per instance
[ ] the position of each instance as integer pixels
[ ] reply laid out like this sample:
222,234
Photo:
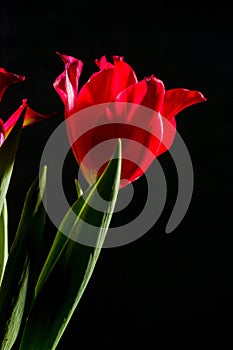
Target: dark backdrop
186,275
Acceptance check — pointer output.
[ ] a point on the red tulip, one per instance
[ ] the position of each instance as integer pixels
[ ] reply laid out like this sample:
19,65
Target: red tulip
113,104
31,116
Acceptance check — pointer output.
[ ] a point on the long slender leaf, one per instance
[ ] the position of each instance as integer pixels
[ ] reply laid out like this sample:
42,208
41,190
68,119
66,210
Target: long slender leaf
70,264
8,152
3,239
17,290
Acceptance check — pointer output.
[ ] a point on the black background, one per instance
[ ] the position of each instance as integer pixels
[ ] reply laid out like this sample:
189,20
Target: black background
186,275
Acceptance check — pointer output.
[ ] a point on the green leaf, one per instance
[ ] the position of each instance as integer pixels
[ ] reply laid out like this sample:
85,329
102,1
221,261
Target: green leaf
17,289
78,188
3,239
70,264
8,152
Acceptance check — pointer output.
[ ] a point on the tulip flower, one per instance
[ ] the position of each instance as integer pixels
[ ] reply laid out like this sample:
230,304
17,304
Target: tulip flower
31,116
112,110
140,111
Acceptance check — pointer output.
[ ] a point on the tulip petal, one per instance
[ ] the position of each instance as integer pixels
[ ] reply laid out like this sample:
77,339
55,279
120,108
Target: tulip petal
149,92
169,132
2,132
103,64
176,100
125,74
31,117
133,118
66,84
139,148
105,85
141,137
13,119
6,79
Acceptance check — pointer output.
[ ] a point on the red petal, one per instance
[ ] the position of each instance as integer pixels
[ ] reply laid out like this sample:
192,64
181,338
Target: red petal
31,117
6,79
66,84
176,100
169,132
2,132
141,137
139,148
105,85
13,119
103,63
148,92
128,119
124,74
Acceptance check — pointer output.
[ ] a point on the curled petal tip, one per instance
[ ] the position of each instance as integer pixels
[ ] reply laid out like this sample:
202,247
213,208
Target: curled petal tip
59,54
97,61
102,63
118,58
199,96
8,78
21,77
69,60
152,79
203,97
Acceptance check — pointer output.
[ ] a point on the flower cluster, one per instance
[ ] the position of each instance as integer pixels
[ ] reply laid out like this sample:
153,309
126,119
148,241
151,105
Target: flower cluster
111,105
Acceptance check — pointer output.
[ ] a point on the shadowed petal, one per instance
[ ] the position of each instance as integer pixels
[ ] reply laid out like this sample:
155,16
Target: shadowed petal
6,79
